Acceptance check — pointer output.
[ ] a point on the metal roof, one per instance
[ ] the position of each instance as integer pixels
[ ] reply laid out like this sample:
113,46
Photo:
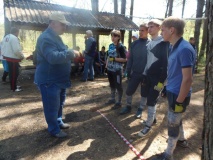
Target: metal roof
36,13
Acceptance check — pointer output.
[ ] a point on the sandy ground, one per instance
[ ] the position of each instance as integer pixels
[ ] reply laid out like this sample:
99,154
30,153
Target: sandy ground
24,136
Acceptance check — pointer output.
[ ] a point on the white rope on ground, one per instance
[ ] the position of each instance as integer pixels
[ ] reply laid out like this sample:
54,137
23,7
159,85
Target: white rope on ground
123,138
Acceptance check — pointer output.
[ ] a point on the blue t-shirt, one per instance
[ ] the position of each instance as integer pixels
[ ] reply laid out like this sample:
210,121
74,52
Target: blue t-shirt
181,56
115,66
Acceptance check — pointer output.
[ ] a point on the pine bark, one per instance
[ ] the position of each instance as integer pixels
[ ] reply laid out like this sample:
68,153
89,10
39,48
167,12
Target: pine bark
204,38
198,22
123,7
131,14
170,7
167,7
207,151
116,6
94,4
183,8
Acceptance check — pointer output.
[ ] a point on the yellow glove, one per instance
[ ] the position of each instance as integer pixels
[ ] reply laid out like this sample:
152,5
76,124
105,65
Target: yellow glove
159,86
111,59
178,107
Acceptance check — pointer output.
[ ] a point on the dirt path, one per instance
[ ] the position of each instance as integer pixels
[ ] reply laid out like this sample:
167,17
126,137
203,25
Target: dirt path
23,133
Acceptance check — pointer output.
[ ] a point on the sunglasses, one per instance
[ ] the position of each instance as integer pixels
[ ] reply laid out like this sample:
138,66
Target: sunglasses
115,35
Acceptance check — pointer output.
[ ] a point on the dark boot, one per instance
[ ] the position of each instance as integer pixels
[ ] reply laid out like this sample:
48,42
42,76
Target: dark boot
112,98
4,77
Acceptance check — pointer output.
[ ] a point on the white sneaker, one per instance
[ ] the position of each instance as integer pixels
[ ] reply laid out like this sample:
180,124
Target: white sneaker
18,90
18,87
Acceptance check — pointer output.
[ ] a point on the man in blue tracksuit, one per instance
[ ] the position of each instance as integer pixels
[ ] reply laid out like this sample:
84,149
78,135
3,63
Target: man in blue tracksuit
135,66
52,74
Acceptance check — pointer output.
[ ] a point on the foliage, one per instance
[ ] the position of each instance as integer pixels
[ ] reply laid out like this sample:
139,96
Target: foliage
28,38
1,31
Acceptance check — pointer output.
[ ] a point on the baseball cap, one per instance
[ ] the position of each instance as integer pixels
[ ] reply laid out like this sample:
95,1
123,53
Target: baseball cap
155,21
135,35
56,16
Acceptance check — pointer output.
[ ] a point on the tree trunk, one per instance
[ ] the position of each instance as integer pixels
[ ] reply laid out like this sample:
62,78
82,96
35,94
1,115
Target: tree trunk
131,14
94,4
167,7
116,6
204,38
183,7
170,7
198,22
123,7
207,150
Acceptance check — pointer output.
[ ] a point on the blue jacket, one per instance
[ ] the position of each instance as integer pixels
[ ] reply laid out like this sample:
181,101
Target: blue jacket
90,46
138,56
53,60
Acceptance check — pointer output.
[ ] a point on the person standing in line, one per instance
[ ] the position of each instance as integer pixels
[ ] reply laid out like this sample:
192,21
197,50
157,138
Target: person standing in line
135,66
134,38
11,51
103,60
155,74
52,75
89,52
116,56
5,67
181,64
192,42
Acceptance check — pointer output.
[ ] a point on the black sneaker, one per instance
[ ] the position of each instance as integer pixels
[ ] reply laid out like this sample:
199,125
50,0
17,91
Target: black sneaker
61,134
183,143
138,113
126,110
111,101
116,106
144,132
83,80
162,156
154,122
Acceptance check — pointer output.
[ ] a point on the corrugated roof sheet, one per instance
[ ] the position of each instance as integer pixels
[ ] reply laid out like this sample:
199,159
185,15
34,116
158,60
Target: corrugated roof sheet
37,13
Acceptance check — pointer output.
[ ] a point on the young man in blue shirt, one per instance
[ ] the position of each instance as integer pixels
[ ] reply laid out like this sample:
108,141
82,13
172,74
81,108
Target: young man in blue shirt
179,79
52,74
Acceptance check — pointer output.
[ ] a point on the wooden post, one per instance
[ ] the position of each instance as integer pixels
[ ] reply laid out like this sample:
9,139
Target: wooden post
97,41
74,40
122,36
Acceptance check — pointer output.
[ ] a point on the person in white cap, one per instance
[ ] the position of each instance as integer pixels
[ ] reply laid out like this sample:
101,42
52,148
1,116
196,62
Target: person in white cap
155,73
52,74
134,37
